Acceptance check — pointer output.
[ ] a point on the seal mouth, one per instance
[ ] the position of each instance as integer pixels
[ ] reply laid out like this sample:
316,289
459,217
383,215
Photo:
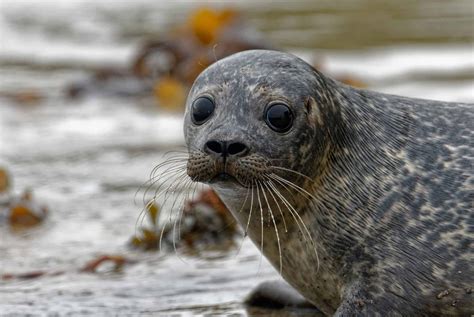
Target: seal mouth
243,172
223,177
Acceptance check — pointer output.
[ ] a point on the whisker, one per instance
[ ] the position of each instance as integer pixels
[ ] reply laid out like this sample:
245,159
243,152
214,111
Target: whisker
170,160
291,184
294,172
276,228
168,222
161,235
162,165
158,192
240,210
154,200
294,212
151,181
178,220
250,214
169,174
171,190
261,227
175,151
248,218
287,204
278,205
170,170
191,183
143,212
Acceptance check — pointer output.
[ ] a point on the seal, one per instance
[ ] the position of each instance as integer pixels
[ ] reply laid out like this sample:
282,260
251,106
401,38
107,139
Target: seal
362,201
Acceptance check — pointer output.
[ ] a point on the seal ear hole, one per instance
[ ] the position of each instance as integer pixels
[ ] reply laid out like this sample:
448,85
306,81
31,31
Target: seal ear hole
308,104
313,111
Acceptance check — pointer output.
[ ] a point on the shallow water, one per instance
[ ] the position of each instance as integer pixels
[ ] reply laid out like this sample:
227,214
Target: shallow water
85,159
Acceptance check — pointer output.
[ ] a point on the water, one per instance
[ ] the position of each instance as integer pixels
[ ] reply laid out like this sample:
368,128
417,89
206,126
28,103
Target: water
85,159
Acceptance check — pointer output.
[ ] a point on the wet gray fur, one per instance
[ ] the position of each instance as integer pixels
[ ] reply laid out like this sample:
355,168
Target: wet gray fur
389,203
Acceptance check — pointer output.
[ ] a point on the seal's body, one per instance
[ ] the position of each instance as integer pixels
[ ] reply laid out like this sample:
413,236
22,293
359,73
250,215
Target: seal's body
363,201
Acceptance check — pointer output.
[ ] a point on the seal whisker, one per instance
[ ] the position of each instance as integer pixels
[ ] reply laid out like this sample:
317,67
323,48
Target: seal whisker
287,204
149,183
188,183
164,174
174,168
294,212
191,183
292,171
276,159
161,235
142,215
240,210
257,183
278,205
185,151
168,170
171,190
312,199
250,213
275,226
177,180
177,220
292,185
169,161
245,200
175,177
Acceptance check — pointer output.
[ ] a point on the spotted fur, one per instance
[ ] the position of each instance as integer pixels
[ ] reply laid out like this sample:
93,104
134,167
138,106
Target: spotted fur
389,203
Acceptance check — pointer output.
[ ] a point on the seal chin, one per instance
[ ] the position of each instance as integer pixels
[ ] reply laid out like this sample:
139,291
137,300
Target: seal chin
224,179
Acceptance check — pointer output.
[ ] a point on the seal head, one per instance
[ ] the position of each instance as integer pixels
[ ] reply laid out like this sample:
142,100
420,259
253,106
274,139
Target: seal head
268,109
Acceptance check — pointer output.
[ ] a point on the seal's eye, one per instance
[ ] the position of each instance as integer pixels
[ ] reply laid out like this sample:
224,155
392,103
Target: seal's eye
202,109
279,117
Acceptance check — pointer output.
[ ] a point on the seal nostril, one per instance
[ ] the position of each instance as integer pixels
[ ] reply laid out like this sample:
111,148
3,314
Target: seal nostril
214,146
236,148
224,149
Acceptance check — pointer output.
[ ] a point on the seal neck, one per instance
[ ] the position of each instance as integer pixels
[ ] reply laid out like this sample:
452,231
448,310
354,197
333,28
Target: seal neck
364,157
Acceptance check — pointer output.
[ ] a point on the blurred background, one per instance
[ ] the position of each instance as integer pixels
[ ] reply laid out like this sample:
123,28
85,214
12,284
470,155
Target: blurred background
91,100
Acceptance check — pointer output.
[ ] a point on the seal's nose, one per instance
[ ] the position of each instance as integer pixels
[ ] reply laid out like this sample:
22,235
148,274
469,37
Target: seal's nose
225,148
